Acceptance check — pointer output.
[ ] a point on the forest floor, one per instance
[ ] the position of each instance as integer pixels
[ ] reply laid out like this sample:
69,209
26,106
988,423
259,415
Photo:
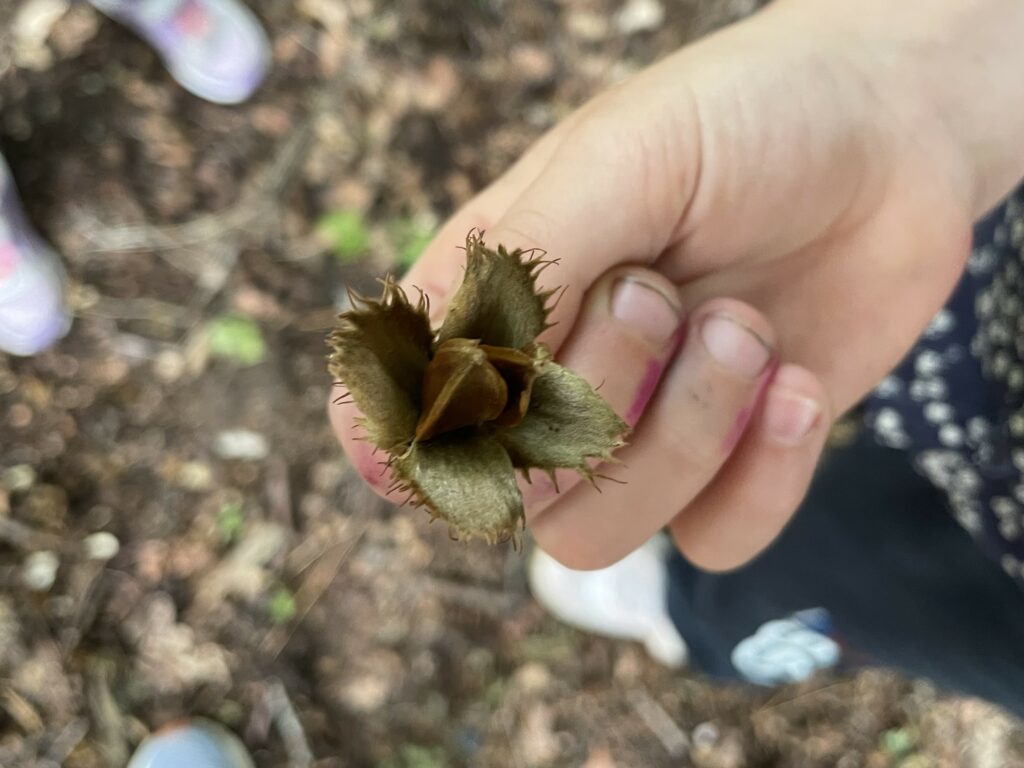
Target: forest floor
256,581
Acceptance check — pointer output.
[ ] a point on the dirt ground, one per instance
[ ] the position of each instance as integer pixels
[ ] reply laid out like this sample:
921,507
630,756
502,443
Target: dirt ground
253,580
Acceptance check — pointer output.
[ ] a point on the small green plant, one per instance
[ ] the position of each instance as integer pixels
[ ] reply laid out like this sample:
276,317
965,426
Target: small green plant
495,693
898,742
281,606
236,338
230,521
347,234
409,238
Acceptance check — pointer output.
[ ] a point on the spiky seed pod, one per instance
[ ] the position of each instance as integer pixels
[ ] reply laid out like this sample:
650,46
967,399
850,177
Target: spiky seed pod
459,410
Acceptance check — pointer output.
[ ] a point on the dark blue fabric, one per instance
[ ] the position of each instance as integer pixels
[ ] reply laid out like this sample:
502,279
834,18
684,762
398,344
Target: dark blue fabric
955,404
904,585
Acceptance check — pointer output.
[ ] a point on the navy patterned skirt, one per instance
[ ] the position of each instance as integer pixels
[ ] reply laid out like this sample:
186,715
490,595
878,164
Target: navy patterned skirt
909,549
956,404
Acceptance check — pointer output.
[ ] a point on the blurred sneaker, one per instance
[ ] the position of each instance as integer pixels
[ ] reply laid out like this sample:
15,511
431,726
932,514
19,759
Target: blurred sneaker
193,744
32,314
214,48
627,600
788,650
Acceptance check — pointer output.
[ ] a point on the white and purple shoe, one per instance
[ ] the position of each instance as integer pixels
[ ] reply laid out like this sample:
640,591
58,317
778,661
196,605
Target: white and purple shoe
32,313
216,49
627,600
193,744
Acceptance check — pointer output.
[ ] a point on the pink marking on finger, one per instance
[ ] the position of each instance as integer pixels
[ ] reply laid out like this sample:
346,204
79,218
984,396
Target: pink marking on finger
739,427
652,377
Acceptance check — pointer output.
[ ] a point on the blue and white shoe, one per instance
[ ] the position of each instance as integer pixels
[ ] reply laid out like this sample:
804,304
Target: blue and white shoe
788,650
194,744
32,312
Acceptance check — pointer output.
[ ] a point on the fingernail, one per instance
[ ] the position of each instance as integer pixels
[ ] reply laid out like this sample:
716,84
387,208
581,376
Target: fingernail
788,417
734,346
645,309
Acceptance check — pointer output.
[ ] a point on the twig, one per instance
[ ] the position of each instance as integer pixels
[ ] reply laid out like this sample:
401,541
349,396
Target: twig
151,310
248,214
106,716
285,719
671,736
20,711
313,587
86,595
23,537
279,494
67,741
488,602
773,704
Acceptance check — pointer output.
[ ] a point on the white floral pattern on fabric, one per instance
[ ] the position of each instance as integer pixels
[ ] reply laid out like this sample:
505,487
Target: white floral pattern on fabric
956,404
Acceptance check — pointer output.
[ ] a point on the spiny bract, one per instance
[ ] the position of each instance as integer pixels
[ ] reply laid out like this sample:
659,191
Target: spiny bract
459,410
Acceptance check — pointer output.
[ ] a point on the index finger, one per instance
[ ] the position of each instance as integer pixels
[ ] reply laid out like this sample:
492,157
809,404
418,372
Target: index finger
438,270
609,186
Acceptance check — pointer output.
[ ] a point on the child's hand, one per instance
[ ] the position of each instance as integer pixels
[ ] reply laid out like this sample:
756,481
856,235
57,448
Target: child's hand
821,162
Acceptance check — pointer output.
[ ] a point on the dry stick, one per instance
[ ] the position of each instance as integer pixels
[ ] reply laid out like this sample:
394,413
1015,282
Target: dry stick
87,595
67,741
285,719
671,736
151,310
106,716
250,216
487,602
23,537
20,711
772,703
278,492
315,585
247,215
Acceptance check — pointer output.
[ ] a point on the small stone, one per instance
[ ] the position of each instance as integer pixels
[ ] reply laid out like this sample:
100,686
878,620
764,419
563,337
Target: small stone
77,27
44,506
640,16
532,677
19,416
151,560
31,27
536,741
534,63
600,758
437,85
271,120
101,546
705,736
39,571
628,666
195,476
19,478
169,366
366,694
241,444
588,26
